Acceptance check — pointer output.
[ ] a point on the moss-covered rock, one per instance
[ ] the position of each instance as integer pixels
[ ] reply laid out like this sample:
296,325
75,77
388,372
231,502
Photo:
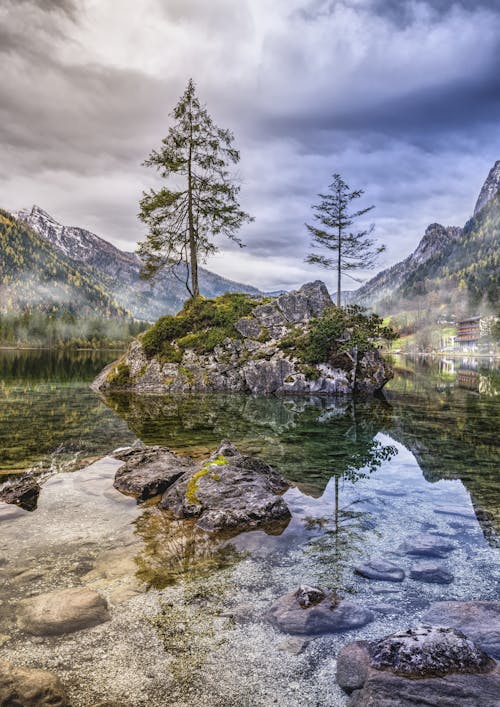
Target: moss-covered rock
296,343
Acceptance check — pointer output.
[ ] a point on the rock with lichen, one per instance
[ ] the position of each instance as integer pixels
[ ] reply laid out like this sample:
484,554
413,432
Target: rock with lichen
229,491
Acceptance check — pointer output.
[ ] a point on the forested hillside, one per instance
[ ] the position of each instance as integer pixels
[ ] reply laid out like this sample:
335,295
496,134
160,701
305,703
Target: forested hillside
47,298
453,271
467,267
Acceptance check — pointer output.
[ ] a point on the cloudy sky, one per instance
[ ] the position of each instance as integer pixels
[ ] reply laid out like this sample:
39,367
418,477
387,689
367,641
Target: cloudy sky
401,97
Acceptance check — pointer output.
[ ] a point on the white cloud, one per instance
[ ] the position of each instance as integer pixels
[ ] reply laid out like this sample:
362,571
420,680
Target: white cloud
404,104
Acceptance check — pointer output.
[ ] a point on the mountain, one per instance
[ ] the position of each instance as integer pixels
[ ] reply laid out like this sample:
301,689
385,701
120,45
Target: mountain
490,187
146,300
455,268
435,241
34,275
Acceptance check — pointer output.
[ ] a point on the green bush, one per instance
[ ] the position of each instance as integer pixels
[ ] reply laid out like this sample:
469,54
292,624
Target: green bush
335,331
120,375
202,324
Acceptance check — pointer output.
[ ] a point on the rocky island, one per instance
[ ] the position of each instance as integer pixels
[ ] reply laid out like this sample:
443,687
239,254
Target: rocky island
296,343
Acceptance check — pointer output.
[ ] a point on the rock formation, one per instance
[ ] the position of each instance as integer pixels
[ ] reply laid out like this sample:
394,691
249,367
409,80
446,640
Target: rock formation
428,665
258,356
227,492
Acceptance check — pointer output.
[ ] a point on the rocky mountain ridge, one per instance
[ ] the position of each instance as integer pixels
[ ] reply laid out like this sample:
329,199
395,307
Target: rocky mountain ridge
489,188
35,275
143,299
436,238
436,244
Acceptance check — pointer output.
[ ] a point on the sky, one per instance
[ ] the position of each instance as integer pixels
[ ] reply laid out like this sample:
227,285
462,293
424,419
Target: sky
402,98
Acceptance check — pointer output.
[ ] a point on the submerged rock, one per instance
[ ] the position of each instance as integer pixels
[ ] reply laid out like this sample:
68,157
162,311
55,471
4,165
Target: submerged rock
311,610
62,611
478,620
149,471
27,687
380,569
429,665
255,353
430,572
427,545
230,491
22,492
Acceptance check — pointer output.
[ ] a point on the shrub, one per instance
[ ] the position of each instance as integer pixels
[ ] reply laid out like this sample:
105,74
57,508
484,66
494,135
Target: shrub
202,324
120,375
336,331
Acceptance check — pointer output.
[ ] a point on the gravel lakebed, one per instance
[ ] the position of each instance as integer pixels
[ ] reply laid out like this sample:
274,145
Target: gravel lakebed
205,637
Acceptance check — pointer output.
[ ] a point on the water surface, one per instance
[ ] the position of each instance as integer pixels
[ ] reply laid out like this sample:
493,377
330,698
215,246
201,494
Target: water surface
365,476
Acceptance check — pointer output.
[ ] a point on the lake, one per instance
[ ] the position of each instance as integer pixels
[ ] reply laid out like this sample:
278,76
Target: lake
188,613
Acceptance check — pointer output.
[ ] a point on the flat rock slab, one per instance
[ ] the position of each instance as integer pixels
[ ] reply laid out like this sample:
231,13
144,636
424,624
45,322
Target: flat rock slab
230,491
150,471
325,616
430,572
63,611
427,545
478,620
430,665
379,569
384,689
25,687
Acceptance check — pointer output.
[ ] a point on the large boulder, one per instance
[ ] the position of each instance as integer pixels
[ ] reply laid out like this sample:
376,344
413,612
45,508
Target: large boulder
478,620
311,611
430,665
27,687
22,492
255,355
149,471
230,491
62,611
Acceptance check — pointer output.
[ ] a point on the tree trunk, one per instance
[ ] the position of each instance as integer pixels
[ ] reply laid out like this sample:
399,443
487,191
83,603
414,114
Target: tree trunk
339,271
193,251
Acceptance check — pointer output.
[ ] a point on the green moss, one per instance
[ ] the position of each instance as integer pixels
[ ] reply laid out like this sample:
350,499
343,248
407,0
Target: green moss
264,335
311,372
187,373
120,375
205,470
201,325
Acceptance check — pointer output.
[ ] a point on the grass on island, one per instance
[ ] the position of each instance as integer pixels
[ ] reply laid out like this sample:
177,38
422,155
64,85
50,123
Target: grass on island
201,325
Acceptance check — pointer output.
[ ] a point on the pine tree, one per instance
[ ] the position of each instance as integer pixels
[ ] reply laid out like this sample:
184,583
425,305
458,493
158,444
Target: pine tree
353,249
200,200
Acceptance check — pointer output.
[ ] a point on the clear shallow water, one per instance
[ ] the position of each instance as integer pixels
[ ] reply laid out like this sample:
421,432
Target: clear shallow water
49,418
366,476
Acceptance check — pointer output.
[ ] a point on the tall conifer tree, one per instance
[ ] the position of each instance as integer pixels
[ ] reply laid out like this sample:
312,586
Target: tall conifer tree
354,249
199,201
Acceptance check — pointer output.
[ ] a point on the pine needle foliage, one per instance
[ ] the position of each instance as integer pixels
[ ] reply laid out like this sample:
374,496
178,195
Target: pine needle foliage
200,199
332,233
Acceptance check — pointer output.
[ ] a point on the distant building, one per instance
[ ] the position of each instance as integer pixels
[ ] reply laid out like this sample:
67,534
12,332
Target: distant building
469,379
468,331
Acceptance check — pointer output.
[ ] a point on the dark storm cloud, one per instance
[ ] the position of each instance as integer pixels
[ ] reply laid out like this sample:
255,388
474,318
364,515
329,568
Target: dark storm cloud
403,98
68,7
